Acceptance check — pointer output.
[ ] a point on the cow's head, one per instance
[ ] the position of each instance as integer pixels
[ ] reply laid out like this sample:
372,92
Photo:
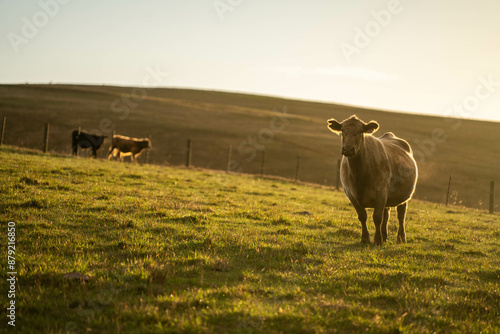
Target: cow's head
99,139
353,132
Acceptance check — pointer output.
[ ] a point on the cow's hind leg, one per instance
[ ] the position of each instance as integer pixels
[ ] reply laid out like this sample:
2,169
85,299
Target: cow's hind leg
378,217
387,212
401,218
110,152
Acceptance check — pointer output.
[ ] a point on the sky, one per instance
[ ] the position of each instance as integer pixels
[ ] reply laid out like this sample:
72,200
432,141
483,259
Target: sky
429,57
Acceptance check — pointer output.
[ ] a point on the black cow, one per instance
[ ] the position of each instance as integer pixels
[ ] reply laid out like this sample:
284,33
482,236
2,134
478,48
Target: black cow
85,141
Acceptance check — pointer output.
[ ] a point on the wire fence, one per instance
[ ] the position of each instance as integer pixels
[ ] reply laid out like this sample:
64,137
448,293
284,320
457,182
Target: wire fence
232,166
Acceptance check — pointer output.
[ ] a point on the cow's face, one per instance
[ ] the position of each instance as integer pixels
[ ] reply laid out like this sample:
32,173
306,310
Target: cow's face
353,131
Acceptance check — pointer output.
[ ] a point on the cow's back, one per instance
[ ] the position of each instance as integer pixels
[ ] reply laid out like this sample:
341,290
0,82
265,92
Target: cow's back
403,169
124,144
390,139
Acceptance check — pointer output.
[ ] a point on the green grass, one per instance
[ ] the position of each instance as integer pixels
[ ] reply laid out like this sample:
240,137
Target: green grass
181,250
467,150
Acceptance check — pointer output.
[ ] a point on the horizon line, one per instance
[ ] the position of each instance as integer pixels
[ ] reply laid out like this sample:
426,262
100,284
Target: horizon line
358,106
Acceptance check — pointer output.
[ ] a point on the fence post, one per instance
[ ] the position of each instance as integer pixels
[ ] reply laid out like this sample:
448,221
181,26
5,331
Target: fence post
492,196
229,157
3,130
263,161
113,141
147,149
79,132
448,193
189,154
46,141
338,173
297,170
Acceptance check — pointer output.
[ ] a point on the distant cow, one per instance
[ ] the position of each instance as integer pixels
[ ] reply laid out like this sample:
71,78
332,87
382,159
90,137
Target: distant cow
124,146
85,141
376,173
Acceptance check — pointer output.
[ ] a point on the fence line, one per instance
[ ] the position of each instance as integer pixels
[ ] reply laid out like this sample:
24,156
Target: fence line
189,154
229,163
448,193
46,138
147,150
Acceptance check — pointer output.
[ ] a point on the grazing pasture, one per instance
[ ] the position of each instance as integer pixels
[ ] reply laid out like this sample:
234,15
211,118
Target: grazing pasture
186,250
469,151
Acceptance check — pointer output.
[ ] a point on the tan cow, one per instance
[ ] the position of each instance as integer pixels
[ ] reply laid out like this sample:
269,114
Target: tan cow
127,146
376,173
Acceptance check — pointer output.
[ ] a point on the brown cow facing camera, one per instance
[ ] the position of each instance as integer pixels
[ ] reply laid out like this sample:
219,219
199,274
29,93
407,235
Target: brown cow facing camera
377,173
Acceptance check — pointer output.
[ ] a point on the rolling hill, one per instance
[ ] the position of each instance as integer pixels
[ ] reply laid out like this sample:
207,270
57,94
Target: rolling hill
466,150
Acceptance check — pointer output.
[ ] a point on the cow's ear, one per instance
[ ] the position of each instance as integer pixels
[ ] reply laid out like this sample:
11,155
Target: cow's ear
334,126
371,127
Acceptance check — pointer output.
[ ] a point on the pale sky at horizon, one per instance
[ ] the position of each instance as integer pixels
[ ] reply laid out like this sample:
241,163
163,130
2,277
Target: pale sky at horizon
440,58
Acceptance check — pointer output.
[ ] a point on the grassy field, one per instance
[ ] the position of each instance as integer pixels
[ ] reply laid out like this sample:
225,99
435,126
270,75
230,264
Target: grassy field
181,250
469,151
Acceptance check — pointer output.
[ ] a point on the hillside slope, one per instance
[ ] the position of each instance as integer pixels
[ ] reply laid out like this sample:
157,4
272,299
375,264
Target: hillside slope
469,151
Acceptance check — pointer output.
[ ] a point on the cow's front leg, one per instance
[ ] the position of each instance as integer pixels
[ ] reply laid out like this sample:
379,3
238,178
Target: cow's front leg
362,216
